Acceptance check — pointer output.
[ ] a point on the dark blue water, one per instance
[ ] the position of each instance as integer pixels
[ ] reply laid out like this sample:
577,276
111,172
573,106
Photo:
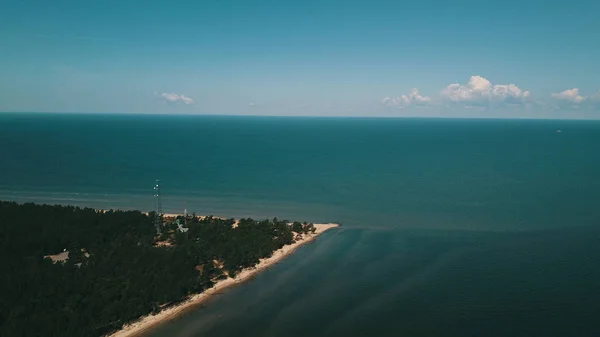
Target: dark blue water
451,227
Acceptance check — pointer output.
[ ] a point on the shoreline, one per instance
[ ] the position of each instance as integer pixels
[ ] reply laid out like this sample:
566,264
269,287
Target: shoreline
146,323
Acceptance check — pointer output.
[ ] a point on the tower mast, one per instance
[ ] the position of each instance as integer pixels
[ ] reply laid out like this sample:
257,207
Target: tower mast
158,206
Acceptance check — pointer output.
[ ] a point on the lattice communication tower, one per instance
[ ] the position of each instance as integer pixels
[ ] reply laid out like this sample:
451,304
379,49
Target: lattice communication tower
158,206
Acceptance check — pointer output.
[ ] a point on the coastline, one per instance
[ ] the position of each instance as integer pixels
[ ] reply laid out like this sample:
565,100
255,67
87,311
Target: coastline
146,323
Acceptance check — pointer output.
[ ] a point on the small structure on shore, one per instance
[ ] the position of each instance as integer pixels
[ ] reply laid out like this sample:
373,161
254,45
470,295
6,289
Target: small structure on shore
180,227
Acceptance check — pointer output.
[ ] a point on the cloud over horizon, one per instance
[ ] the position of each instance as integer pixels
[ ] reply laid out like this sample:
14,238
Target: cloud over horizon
478,91
175,98
414,97
570,95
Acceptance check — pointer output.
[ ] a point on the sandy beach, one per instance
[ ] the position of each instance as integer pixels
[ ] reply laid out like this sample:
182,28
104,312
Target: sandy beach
146,323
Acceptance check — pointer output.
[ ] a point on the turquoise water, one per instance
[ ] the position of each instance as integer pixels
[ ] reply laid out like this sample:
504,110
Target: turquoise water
451,227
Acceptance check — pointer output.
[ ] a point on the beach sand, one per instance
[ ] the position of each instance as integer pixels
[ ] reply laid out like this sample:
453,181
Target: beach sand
146,323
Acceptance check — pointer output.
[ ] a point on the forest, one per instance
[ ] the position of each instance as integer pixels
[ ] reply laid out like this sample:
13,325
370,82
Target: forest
119,267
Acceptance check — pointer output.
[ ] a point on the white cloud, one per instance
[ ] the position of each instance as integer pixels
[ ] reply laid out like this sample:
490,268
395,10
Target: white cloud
413,98
570,95
175,98
480,91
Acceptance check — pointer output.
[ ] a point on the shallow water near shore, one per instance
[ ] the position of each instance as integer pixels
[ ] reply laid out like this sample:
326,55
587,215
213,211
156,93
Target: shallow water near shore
360,282
450,227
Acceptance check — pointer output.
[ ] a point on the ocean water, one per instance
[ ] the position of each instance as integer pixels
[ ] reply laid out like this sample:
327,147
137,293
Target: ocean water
451,227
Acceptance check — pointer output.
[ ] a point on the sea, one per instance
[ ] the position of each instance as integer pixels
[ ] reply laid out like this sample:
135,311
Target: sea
450,227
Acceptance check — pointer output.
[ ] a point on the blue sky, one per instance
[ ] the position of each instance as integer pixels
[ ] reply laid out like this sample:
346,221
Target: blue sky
332,58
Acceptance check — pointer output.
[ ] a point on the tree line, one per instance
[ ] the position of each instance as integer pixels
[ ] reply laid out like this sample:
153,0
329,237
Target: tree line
116,272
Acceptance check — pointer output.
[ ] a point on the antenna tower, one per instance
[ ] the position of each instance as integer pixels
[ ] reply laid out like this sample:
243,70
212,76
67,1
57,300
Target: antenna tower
158,206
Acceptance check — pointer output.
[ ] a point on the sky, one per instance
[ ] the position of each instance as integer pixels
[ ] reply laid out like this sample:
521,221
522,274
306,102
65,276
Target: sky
430,58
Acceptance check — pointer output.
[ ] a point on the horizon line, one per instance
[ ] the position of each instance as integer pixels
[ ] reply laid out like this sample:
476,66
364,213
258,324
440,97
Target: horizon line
297,116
